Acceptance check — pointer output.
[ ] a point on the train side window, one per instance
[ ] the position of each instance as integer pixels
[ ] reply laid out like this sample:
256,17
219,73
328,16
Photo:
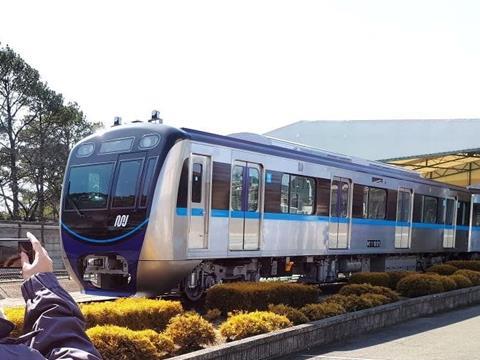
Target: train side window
417,207
297,195
284,193
374,203
466,217
429,212
476,215
441,211
237,187
126,187
197,170
450,211
253,186
302,192
147,183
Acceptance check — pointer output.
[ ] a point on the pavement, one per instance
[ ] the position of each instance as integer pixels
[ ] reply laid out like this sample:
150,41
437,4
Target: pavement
11,295
445,336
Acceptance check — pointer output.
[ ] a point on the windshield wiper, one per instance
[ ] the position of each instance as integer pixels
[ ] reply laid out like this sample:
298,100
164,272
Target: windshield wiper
73,202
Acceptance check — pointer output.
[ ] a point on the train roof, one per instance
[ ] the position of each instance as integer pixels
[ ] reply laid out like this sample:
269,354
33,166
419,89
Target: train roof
282,148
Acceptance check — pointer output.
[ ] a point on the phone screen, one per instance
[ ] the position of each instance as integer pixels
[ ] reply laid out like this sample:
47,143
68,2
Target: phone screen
10,252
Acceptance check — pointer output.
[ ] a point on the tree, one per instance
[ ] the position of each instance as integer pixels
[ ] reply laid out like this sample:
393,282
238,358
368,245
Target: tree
19,83
37,131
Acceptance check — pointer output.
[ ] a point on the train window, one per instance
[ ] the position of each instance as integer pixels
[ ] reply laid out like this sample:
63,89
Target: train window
88,186
429,209
253,186
197,170
284,193
374,203
117,145
450,211
441,209
147,182
476,215
237,187
466,216
125,190
404,206
298,193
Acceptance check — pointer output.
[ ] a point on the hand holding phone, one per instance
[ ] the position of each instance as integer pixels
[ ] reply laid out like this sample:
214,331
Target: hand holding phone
41,261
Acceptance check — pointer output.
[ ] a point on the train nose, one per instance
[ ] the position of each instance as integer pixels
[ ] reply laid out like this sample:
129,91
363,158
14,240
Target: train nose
108,272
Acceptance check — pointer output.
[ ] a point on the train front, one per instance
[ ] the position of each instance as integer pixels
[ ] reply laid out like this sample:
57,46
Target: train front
107,197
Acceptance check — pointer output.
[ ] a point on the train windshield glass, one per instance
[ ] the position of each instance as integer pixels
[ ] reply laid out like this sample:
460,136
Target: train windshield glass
88,187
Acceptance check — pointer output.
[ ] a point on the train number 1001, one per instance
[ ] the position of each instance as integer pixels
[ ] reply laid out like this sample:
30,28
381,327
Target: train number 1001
121,220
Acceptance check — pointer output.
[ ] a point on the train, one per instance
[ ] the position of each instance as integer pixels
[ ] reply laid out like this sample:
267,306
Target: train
147,208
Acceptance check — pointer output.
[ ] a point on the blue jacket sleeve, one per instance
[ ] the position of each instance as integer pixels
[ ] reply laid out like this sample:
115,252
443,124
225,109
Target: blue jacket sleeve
51,309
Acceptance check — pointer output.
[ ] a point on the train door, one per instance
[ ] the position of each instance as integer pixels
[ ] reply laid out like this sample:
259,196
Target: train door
340,213
450,223
403,226
245,206
198,201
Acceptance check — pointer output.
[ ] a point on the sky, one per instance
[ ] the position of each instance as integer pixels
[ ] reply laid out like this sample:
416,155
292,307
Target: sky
231,66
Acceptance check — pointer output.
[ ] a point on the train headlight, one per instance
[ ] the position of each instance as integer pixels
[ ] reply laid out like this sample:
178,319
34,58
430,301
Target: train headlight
149,141
85,150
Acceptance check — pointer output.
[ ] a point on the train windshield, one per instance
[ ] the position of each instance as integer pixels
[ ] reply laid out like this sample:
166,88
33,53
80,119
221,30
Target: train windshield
88,186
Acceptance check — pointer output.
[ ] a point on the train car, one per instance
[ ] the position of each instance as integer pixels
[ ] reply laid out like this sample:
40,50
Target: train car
147,208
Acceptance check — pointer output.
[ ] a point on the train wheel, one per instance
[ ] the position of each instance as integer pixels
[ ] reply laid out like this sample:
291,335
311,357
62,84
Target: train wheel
193,294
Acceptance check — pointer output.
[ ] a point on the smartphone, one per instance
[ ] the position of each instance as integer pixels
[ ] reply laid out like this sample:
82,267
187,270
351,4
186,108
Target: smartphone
10,252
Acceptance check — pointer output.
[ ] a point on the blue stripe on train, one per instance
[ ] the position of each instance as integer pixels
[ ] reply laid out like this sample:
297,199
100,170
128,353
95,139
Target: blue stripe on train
298,217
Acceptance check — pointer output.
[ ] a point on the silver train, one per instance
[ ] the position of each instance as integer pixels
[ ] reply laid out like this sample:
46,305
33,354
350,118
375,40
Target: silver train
147,208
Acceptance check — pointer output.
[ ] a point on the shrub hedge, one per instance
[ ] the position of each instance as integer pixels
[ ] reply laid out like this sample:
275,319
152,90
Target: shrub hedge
359,289
465,264
295,316
243,325
442,269
212,314
321,311
258,295
473,276
461,281
355,302
190,331
419,285
396,276
134,313
372,278
120,343
448,283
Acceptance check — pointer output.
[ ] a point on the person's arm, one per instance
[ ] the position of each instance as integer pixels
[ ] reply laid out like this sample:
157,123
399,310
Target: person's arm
51,309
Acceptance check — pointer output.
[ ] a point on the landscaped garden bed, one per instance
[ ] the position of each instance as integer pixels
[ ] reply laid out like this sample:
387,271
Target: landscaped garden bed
136,328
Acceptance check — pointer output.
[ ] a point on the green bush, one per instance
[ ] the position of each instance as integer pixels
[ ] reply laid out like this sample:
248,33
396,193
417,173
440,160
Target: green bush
396,276
294,315
448,284
442,269
465,264
321,311
190,331
473,276
372,278
359,289
250,296
134,313
376,299
461,281
355,302
243,325
119,343
419,285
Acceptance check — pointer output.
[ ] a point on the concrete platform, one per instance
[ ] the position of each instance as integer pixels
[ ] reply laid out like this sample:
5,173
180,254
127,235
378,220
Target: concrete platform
445,336
11,296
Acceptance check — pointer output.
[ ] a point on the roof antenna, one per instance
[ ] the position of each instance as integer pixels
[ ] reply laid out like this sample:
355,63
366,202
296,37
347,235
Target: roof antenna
156,117
117,120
